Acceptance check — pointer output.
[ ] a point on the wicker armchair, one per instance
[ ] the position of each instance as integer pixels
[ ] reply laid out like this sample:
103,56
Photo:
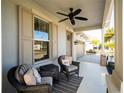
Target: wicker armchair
22,88
68,70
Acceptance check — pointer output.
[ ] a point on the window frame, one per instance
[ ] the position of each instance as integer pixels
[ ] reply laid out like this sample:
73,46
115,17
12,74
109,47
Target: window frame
49,40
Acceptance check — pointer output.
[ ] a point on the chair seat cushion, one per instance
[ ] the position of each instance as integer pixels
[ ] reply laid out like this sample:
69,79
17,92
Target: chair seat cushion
47,80
72,68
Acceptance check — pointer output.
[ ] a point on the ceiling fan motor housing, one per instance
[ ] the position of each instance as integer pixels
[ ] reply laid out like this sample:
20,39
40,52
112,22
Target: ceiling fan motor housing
72,16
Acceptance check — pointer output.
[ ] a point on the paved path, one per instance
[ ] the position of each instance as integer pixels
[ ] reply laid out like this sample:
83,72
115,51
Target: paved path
90,58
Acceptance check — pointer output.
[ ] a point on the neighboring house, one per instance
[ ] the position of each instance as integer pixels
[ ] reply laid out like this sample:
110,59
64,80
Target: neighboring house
81,39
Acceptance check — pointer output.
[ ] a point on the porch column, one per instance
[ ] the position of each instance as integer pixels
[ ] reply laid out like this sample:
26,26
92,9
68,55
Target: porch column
84,48
102,50
106,20
74,54
118,39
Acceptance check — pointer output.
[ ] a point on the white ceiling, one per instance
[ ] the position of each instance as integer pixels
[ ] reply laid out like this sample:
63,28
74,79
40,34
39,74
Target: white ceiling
92,9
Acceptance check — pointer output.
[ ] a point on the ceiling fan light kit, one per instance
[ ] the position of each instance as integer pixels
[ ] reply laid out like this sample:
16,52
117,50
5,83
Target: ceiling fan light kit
72,15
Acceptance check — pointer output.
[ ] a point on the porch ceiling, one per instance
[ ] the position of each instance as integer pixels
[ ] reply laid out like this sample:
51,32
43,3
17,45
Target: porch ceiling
92,9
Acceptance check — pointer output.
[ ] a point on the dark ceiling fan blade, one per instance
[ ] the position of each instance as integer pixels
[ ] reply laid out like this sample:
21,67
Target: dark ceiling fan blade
73,22
81,18
76,12
61,13
63,19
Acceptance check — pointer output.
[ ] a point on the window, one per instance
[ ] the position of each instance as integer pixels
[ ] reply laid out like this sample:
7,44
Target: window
41,39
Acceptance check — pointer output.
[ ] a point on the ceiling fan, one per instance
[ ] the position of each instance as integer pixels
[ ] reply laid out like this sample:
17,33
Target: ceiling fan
72,15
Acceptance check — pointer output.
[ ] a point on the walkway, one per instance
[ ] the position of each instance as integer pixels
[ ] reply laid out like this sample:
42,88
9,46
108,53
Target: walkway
94,78
90,58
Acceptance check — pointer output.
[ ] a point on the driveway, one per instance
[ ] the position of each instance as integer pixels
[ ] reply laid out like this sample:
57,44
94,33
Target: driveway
94,58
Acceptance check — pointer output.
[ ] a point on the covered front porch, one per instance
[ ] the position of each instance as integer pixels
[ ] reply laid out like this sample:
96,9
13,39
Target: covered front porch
33,35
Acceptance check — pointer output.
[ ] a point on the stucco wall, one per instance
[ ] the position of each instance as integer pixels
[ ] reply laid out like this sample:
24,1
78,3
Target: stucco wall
10,35
61,39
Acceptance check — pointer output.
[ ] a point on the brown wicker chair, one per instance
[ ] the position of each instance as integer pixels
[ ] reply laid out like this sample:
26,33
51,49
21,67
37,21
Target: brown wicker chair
22,88
68,70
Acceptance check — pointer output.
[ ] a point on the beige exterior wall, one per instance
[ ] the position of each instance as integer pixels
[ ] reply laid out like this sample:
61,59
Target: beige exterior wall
25,36
9,42
61,39
10,36
54,42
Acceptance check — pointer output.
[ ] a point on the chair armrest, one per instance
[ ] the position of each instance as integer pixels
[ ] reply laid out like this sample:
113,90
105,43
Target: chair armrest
35,88
76,63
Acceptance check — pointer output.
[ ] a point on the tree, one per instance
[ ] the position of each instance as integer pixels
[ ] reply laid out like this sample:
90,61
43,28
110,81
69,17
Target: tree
109,45
109,42
109,34
95,42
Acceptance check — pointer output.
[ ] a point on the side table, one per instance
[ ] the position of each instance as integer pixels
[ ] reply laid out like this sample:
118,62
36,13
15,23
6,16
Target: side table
50,70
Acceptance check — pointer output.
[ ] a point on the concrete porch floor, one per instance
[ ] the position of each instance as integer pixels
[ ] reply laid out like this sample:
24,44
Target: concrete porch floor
94,78
94,58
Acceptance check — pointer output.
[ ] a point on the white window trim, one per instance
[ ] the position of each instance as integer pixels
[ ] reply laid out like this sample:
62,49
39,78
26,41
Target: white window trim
47,59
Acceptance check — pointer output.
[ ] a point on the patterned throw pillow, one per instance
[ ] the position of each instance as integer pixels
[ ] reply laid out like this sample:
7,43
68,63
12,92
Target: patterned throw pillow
19,73
65,62
29,78
69,58
32,77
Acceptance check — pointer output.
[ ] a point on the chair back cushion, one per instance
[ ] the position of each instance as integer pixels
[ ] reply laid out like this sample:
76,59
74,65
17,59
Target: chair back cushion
19,73
72,68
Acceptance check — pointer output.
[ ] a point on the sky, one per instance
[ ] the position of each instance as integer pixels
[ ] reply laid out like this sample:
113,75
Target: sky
94,34
40,35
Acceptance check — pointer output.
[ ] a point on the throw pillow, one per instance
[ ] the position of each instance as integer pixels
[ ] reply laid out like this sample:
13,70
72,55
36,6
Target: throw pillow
19,73
29,78
65,62
37,76
69,58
